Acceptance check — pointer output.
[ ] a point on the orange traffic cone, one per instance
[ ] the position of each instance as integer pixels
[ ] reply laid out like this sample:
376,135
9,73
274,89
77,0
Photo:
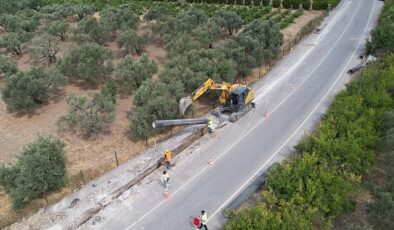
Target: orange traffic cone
166,196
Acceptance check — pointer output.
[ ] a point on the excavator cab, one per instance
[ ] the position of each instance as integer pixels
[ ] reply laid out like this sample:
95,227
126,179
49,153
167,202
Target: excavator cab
237,99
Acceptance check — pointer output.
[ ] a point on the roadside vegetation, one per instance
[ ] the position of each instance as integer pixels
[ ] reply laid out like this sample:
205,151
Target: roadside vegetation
41,168
351,150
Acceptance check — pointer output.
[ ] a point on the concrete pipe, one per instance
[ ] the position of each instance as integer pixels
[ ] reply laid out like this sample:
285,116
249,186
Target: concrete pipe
177,122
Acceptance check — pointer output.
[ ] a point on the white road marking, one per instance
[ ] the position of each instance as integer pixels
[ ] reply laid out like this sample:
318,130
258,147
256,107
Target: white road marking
265,89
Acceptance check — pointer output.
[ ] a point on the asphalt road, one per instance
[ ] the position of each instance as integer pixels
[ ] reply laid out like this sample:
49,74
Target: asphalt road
244,150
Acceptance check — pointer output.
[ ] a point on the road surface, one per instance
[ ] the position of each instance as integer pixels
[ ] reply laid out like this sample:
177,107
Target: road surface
295,94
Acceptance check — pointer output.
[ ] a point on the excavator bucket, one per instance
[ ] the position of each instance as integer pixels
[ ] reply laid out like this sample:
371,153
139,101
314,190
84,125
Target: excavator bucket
184,103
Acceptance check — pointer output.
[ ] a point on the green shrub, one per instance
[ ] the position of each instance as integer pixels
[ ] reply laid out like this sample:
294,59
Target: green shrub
40,169
265,2
306,4
7,65
154,100
296,4
133,73
382,35
239,2
287,4
276,3
24,91
89,116
90,62
319,5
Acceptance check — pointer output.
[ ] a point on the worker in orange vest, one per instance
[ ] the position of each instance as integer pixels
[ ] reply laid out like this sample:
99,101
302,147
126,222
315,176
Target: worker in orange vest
167,158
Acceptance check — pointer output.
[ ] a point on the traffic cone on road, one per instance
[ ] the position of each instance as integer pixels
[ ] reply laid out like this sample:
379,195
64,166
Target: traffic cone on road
166,196
266,114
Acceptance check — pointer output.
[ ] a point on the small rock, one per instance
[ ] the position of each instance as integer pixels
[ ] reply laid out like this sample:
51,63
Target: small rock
97,219
73,203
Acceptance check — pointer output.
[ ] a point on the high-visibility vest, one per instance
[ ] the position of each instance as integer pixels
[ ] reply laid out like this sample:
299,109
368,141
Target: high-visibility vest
168,156
166,178
204,218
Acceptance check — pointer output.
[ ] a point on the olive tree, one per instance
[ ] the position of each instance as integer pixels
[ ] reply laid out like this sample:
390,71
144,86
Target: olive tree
180,44
24,91
241,50
12,7
83,10
122,16
188,20
9,22
58,28
207,33
91,30
57,11
157,13
194,67
229,20
259,42
40,168
7,66
140,123
268,36
90,62
14,41
88,116
132,73
45,47
129,39
26,20
153,100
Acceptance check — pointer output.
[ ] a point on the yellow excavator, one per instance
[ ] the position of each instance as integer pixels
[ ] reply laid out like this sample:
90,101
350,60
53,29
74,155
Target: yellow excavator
235,99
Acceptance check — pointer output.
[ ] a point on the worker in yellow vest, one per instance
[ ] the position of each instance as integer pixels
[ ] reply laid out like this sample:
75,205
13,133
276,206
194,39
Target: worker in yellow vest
167,158
165,179
210,125
203,220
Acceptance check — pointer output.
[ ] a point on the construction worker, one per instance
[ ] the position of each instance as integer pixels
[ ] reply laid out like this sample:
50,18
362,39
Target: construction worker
166,179
210,125
203,220
167,158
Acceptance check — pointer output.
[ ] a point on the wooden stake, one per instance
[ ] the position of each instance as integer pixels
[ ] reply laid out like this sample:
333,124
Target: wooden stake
116,158
83,178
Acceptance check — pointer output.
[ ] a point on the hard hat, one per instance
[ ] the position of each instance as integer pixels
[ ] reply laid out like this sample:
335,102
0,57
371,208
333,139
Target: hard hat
167,150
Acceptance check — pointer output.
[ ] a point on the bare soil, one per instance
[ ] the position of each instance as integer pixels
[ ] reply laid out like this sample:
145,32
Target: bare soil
358,216
96,155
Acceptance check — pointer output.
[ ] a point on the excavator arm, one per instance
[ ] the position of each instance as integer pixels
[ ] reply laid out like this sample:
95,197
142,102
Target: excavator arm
202,89
209,84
